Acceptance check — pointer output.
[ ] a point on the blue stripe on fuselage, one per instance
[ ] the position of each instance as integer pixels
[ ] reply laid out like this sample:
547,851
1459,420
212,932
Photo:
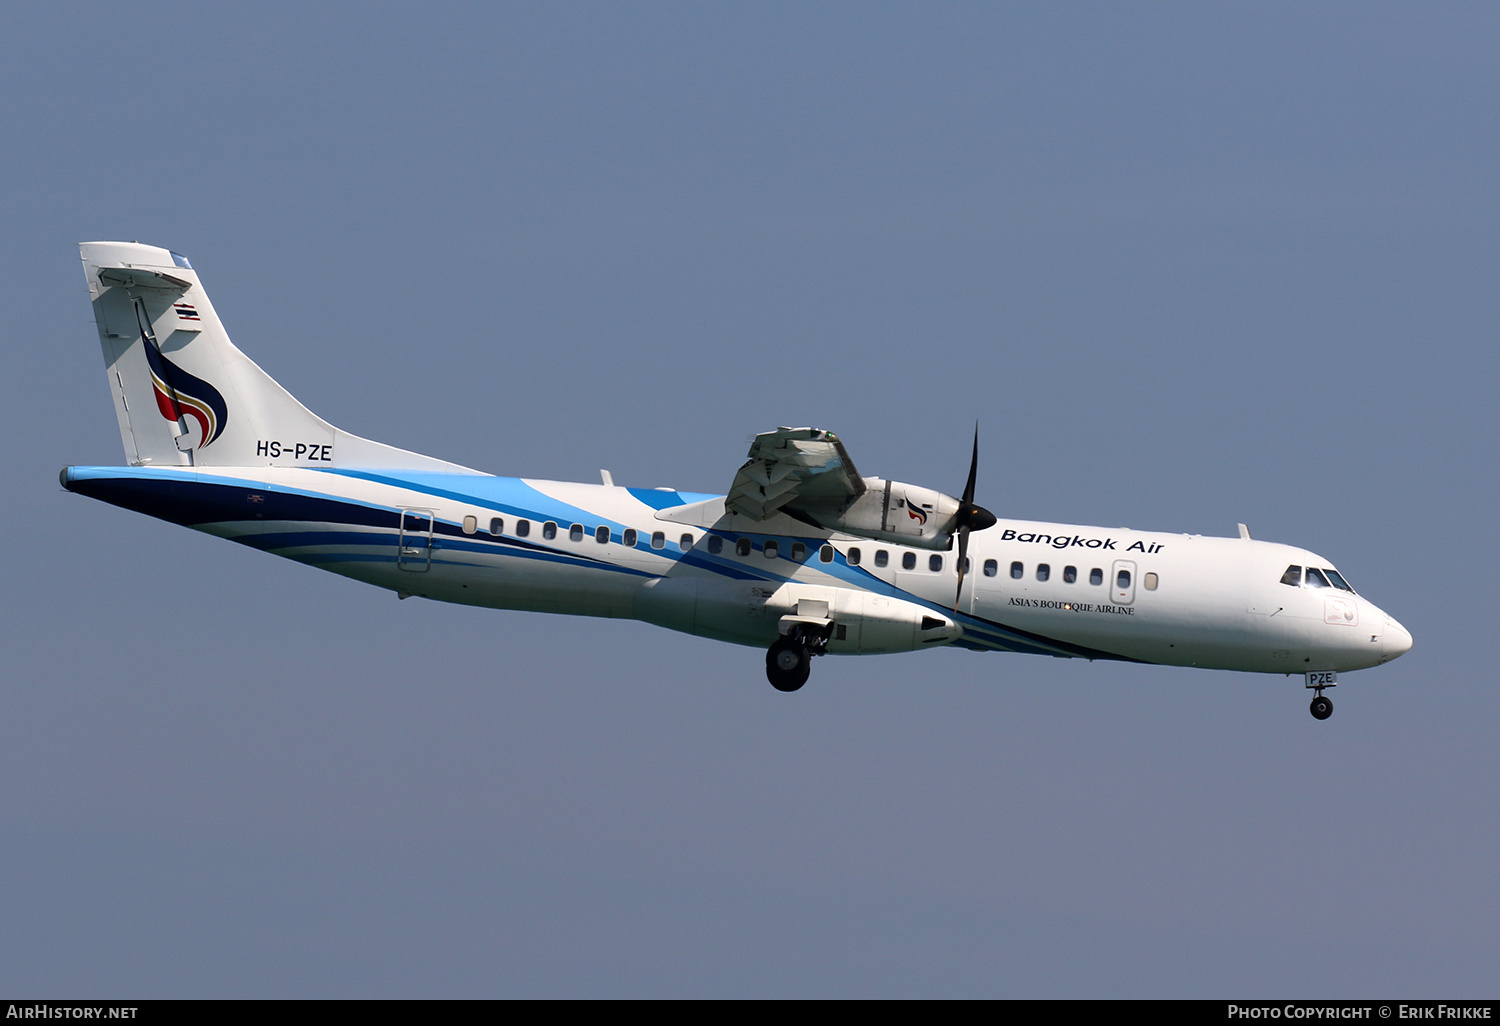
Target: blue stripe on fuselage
195,498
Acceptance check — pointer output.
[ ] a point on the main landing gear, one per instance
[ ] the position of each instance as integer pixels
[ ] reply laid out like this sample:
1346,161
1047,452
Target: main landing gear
788,660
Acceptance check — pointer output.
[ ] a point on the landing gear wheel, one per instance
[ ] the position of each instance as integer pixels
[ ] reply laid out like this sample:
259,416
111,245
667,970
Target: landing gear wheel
1321,708
788,664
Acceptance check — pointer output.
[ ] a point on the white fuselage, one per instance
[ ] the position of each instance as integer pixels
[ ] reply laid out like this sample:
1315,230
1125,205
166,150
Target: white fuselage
678,560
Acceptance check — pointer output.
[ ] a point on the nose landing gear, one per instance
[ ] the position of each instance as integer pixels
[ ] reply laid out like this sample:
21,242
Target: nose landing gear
1322,707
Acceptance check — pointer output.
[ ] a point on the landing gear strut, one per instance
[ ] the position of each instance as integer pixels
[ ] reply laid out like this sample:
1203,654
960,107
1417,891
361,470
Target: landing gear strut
788,659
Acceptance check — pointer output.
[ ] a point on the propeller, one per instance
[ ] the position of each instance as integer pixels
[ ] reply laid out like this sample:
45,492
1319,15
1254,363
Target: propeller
969,518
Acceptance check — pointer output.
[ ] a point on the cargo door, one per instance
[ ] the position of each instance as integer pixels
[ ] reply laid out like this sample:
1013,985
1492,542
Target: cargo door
414,545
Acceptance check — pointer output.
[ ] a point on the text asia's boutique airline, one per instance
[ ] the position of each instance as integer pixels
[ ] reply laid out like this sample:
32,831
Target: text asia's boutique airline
803,557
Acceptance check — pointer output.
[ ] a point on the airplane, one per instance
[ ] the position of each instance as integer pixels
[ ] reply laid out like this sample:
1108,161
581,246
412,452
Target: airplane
803,556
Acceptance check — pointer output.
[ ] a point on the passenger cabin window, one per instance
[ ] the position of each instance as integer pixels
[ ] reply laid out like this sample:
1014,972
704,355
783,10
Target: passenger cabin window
908,560
658,539
853,557
1043,571
1150,582
601,534
991,568
523,528
1017,571
685,542
549,530
825,554
715,544
629,538
1315,578
742,547
1293,576
575,533
799,552
1096,576
1070,575
497,526
471,524
772,550
1122,580
882,557
935,564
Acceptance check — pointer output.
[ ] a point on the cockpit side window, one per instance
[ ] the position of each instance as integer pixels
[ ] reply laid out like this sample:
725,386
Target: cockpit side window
1293,576
1315,578
1338,582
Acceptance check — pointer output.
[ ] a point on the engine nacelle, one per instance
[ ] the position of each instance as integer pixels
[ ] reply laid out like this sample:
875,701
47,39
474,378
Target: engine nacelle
751,613
895,512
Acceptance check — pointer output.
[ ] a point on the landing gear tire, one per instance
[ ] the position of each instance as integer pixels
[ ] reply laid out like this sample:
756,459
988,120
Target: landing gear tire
1321,708
788,664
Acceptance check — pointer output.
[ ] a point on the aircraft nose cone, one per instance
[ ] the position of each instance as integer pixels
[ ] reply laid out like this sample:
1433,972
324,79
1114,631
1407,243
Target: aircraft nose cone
1396,640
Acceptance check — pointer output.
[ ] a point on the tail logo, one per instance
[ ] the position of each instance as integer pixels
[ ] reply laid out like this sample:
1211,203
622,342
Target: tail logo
180,394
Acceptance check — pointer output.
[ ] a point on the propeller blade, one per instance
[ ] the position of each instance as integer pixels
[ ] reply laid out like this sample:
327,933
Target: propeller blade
969,517
963,564
968,499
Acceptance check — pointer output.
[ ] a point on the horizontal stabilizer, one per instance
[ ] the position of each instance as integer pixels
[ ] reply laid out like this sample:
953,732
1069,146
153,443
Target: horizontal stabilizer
139,277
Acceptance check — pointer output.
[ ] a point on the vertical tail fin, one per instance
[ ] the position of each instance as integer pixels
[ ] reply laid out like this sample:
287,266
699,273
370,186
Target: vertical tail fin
184,395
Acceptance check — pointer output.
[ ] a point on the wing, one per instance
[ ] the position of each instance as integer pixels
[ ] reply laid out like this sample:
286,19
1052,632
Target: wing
796,467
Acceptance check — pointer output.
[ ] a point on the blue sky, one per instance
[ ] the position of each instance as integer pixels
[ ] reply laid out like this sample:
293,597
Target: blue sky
1187,265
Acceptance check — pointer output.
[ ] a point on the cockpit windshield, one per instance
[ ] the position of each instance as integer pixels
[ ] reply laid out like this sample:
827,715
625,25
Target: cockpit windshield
1338,582
1327,577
